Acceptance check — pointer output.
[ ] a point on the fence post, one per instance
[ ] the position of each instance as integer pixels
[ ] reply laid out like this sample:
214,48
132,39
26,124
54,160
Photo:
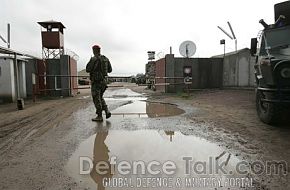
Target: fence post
33,87
55,83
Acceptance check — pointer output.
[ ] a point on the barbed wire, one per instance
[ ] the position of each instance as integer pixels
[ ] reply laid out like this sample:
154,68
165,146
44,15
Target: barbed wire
72,54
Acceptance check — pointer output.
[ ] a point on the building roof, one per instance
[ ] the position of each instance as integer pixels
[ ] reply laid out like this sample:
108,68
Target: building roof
231,53
12,58
54,24
4,50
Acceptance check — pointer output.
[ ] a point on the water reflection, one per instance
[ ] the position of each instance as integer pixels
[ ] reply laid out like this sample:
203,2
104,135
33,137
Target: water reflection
145,145
162,110
141,108
101,154
170,134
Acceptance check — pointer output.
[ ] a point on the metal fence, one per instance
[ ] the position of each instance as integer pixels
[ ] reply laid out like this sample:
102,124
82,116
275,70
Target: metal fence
54,83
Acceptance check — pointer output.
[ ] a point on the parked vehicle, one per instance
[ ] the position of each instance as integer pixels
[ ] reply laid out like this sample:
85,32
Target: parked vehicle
272,68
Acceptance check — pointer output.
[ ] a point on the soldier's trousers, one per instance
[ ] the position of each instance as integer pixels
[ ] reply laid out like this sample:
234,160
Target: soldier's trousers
98,91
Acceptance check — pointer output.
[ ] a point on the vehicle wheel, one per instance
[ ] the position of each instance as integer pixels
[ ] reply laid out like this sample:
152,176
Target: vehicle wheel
268,112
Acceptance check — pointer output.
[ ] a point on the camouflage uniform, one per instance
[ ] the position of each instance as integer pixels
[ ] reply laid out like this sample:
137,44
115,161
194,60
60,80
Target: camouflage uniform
99,67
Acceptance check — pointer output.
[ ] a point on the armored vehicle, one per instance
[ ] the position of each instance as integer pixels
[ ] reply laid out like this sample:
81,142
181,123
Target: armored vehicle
272,68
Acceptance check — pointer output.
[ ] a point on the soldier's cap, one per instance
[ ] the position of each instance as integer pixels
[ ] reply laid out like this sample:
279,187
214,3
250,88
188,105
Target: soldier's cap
96,47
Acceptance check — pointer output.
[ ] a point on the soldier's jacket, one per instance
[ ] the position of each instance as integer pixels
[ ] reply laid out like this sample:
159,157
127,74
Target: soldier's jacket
98,67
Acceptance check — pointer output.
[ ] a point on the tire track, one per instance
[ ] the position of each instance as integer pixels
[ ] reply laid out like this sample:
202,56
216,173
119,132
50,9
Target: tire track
41,119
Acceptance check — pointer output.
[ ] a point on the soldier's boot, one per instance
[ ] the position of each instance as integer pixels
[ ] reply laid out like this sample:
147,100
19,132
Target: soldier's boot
99,118
108,113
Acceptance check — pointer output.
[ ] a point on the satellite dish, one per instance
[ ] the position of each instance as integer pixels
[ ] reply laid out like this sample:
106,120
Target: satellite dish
160,55
187,48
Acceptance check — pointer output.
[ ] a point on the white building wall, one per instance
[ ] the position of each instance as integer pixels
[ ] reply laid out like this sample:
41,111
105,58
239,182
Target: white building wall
244,75
22,78
8,91
7,80
230,68
239,70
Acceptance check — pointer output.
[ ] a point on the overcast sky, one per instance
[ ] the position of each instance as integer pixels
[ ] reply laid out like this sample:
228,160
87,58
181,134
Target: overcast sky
127,29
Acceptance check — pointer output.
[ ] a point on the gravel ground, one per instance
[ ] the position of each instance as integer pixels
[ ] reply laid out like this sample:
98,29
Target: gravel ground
228,117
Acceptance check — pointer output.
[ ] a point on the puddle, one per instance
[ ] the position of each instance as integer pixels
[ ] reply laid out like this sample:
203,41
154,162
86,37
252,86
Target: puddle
150,146
154,148
121,93
119,96
139,107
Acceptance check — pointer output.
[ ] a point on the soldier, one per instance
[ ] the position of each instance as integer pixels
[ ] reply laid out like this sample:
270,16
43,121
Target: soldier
99,66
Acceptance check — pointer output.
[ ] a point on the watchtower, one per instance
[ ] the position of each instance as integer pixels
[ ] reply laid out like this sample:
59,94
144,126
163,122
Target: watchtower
52,39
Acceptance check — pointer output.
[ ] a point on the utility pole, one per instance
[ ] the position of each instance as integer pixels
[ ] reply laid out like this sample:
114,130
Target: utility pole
223,42
8,36
232,37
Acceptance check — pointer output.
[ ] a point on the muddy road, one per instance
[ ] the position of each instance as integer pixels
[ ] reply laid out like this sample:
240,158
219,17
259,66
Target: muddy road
50,143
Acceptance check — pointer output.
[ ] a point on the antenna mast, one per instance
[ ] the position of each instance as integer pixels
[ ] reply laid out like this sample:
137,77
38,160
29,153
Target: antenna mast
8,36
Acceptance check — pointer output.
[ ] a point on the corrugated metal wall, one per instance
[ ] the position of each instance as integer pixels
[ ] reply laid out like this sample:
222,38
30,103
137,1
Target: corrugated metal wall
30,67
209,73
206,72
63,66
235,70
